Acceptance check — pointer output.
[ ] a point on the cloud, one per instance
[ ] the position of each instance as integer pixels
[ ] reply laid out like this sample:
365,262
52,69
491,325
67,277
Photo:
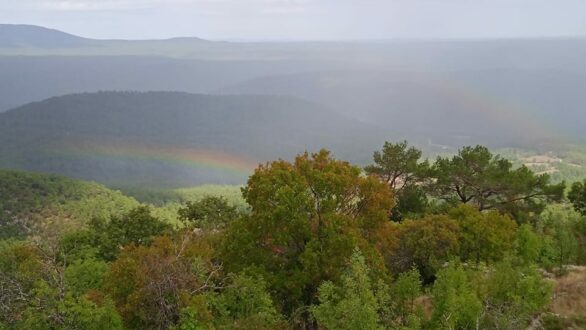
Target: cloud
302,19
113,5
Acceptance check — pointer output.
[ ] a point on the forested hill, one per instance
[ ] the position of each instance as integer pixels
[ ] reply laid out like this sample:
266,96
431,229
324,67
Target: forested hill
178,139
26,199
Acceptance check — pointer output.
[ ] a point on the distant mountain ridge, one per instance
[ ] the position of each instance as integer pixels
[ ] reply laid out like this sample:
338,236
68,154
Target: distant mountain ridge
34,36
13,36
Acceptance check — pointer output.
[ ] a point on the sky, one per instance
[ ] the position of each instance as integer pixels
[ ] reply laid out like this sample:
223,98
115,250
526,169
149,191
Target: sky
302,19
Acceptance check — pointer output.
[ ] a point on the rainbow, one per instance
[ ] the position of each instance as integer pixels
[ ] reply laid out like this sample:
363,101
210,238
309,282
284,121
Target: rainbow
181,156
512,116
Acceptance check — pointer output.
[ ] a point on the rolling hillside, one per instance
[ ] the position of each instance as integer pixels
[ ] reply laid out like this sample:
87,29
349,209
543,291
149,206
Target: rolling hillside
172,139
28,199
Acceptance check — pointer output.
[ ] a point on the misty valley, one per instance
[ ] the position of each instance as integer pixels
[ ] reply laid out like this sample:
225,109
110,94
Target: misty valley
186,183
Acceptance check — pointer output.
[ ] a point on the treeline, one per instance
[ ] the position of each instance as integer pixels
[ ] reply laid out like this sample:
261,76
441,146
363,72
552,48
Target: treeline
464,242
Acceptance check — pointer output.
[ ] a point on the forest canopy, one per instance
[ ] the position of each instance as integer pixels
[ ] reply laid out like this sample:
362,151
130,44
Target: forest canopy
463,242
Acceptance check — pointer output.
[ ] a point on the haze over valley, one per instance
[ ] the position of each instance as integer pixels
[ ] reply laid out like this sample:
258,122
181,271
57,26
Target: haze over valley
522,93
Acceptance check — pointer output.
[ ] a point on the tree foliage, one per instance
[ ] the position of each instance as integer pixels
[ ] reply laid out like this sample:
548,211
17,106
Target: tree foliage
151,284
577,196
39,290
306,219
456,305
485,236
138,227
243,303
313,249
426,244
211,212
400,166
352,305
475,176
512,295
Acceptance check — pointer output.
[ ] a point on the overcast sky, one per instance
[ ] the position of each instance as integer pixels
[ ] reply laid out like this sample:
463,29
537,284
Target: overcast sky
302,19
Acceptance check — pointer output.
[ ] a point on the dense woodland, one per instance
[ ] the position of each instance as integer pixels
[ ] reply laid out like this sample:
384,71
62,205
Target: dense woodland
465,241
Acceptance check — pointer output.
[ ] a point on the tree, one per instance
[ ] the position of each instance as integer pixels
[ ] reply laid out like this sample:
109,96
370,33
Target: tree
580,231
20,269
412,202
404,291
398,165
456,305
401,168
426,243
474,176
485,236
151,284
560,233
577,196
85,275
138,227
49,310
209,213
352,305
528,245
306,218
243,303
512,295
39,291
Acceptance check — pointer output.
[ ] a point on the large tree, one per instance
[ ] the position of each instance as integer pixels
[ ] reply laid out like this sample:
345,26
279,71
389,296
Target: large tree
137,227
475,176
151,284
210,213
577,196
425,243
306,219
484,236
39,289
401,167
353,304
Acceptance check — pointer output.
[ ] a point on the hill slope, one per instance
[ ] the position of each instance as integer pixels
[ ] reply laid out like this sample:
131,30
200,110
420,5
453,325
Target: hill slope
28,198
172,139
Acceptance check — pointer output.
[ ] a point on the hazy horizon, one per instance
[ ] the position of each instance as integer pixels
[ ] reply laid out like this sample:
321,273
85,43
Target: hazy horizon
303,20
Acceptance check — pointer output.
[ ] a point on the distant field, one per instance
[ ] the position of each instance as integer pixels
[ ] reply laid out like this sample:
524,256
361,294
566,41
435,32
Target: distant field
167,202
563,163
161,197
